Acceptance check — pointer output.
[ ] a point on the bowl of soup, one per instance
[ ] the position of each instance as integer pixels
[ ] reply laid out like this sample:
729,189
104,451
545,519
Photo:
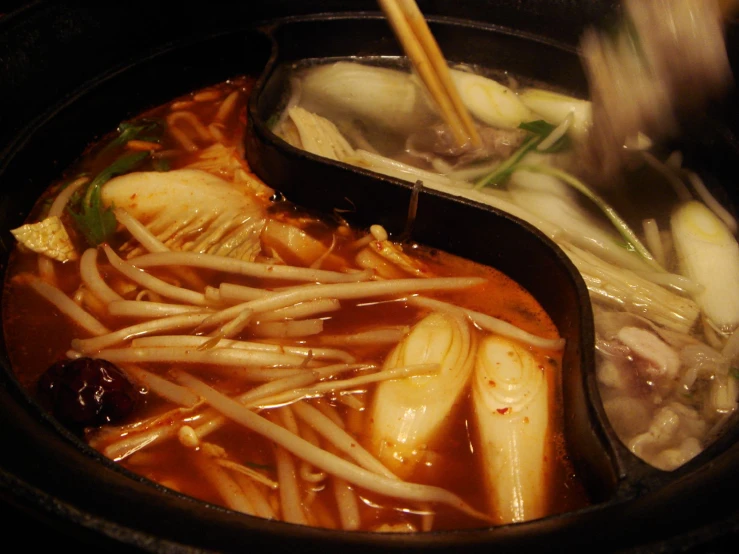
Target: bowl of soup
236,341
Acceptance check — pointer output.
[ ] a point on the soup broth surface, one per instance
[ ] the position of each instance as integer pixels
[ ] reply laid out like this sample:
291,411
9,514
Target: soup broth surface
229,464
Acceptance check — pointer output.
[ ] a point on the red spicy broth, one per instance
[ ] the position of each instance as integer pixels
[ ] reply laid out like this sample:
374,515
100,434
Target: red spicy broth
206,134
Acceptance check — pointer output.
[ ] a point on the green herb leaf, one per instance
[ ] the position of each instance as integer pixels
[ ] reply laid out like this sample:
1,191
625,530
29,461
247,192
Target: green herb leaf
93,220
734,372
147,129
543,129
539,130
539,127
122,165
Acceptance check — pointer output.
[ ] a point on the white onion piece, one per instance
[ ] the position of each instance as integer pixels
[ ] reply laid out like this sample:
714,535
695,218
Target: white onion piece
710,201
489,101
407,414
382,96
555,107
511,404
709,255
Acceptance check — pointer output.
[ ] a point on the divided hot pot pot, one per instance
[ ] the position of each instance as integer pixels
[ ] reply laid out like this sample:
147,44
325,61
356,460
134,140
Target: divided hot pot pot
56,480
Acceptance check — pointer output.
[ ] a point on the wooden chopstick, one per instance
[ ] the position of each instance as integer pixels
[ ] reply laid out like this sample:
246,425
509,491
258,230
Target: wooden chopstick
414,35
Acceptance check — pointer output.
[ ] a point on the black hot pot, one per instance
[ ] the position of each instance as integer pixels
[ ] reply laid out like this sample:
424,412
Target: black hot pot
71,73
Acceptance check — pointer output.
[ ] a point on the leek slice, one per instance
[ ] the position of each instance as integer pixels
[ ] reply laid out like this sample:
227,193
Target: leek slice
511,402
555,107
377,95
407,414
709,255
489,101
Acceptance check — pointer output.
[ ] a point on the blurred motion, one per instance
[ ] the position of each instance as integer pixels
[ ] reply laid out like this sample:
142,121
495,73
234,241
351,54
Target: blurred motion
665,59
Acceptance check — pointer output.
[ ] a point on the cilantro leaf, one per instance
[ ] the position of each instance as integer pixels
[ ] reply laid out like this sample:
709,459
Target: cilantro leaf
94,221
